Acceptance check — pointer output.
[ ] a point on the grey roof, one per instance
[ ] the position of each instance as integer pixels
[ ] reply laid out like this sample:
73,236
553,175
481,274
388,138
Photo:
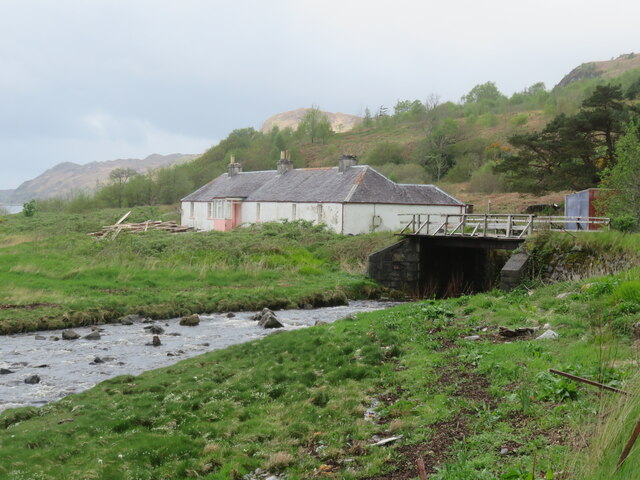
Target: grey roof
358,184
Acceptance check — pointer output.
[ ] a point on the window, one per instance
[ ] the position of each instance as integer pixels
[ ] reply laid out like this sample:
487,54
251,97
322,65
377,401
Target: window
209,210
320,218
294,212
257,212
192,210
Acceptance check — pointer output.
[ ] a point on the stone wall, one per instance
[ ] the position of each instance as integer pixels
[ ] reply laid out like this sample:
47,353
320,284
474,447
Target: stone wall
397,266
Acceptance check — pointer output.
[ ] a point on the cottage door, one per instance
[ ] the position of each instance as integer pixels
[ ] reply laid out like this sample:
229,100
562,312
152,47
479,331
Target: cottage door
236,215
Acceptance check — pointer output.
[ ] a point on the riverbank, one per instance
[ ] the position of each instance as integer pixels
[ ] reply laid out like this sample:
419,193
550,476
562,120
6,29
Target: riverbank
66,366
52,275
436,380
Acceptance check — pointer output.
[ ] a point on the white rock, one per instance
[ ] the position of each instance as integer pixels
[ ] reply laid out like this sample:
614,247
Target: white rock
473,338
548,335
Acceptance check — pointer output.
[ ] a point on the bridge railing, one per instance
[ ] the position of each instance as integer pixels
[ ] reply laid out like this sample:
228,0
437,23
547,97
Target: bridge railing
512,226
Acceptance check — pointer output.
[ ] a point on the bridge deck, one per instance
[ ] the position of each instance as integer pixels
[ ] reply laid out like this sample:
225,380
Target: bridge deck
508,226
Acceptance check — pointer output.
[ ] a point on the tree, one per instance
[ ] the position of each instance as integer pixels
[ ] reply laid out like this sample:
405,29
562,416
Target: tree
434,152
485,92
315,125
29,208
570,151
620,186
367,121
119,178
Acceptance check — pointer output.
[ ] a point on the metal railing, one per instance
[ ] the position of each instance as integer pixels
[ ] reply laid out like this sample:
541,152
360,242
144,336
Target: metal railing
512,226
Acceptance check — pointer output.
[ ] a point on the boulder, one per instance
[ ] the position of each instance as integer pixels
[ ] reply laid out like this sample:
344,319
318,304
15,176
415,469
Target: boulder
269,320
548,335
40,337
156,341
230,315
258,316
190,320
319,322
155,329
131,319
473,338
92,336
69,335
5,371
32,379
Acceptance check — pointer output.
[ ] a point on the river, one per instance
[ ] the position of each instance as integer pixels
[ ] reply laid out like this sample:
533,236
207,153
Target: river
71,366
11,208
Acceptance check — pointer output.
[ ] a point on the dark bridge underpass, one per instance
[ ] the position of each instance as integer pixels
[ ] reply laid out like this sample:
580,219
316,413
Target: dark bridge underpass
439,266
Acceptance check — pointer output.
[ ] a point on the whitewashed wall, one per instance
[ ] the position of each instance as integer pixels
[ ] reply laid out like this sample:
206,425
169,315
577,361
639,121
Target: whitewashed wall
199,220
277,211
359,218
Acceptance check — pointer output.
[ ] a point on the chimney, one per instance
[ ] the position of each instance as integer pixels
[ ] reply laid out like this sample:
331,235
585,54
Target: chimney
285,162
346,162
234,168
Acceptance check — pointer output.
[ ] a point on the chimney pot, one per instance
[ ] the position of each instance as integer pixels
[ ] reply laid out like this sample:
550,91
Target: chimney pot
284,163
234,167
346,162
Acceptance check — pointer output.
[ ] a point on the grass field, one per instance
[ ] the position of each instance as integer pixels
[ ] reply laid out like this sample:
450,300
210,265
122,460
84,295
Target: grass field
52,275
296,402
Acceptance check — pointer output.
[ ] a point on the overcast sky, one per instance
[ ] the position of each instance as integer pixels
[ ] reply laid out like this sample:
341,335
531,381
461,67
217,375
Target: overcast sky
89,80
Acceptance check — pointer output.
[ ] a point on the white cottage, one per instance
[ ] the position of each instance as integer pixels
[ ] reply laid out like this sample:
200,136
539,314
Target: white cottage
349,198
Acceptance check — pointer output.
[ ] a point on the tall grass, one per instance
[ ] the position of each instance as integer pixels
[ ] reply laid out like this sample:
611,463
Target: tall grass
49,259
618,417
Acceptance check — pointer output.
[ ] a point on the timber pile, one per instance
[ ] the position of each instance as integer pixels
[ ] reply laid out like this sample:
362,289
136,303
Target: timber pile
115,229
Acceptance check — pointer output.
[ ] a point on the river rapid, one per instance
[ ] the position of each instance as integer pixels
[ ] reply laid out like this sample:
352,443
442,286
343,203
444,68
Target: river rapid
71,366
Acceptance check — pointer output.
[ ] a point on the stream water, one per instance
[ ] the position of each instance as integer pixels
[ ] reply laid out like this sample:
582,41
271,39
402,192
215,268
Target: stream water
70,366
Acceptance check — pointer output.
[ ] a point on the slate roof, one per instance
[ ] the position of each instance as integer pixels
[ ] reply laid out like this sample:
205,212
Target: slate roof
357,184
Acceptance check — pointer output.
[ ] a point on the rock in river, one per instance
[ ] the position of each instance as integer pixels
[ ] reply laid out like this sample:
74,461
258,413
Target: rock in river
155,329
32,379
190,320
92,336
69,335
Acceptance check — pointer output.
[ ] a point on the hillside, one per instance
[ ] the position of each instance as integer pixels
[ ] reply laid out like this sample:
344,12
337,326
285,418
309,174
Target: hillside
340,122
458,146
68,178
607,69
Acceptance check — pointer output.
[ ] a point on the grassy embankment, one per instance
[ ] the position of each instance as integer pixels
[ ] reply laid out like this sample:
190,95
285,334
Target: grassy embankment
296,402
52,275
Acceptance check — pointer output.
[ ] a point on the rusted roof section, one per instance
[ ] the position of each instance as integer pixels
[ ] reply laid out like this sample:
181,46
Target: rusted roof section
358,184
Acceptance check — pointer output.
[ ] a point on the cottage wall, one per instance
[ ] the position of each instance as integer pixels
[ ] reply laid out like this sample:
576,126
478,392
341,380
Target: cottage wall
366,217
327,213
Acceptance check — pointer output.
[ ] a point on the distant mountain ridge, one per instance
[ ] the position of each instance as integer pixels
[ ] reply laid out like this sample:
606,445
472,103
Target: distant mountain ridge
340,122
67,178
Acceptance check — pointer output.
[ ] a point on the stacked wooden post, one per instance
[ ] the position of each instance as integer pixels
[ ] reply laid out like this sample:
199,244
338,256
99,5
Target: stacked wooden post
116,228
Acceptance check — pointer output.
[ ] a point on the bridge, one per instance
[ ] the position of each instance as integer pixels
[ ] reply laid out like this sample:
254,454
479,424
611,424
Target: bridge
451,254
499,226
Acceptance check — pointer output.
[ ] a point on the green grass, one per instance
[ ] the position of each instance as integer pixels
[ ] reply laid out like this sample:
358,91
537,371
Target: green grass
52,275
294,403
